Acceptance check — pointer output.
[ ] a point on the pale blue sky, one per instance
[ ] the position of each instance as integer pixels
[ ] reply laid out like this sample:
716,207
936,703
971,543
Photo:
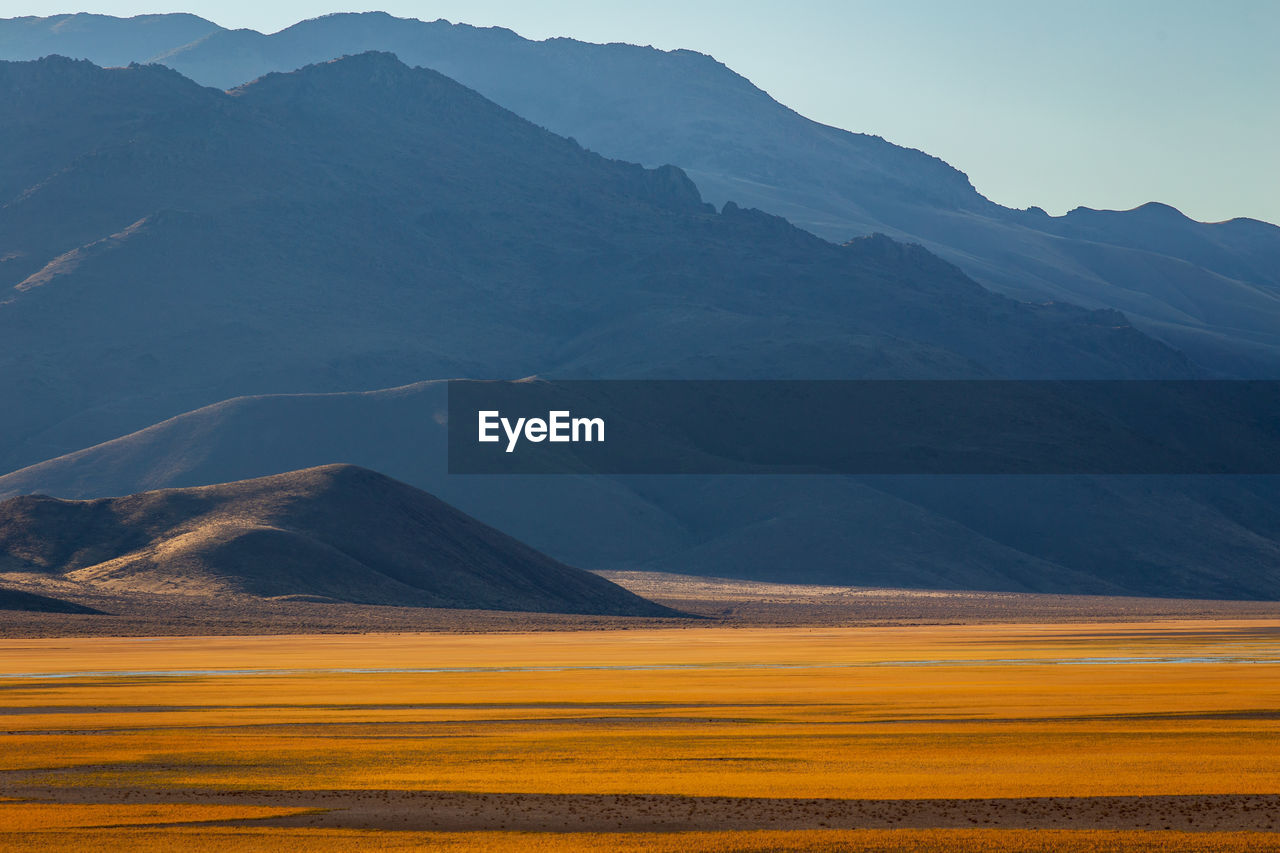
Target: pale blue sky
1102,104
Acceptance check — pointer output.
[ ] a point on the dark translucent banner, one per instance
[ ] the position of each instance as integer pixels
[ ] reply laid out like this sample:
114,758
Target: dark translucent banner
864,427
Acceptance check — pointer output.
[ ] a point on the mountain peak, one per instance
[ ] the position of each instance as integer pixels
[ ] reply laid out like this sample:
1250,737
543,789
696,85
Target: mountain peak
365,66
355,78
1156,211
321,479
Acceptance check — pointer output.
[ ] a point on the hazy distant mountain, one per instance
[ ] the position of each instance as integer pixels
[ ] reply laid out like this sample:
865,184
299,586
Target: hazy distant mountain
337,532
109,40
360,224
1213,291
1165,536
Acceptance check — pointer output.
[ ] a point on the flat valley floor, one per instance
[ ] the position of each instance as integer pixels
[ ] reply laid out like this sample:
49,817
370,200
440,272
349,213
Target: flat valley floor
1101,732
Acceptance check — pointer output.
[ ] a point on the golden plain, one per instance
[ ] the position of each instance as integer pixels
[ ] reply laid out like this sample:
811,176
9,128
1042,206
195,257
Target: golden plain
1087,736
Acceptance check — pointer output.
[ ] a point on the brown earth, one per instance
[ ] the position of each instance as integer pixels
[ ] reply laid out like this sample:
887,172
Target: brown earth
460,811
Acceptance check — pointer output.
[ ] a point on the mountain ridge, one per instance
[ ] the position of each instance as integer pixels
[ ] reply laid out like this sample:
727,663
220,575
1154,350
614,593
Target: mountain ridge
362,224
738,144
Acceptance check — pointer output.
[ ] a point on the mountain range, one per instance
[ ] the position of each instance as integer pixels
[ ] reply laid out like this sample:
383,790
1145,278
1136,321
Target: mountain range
205,286
360,224
1211,290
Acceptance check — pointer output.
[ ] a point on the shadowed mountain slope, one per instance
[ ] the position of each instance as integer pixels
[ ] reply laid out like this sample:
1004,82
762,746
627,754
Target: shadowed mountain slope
16,599
1211,290
1164,536
337,532
361,224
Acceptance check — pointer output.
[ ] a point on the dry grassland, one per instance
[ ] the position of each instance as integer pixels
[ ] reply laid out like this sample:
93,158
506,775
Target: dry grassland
1154,736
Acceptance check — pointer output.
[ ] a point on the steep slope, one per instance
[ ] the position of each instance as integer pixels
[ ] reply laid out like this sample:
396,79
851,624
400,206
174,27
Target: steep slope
337,532
360,224
1163,536
1221,306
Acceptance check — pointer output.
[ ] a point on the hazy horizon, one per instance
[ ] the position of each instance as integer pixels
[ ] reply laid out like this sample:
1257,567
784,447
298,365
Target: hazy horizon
1094,106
